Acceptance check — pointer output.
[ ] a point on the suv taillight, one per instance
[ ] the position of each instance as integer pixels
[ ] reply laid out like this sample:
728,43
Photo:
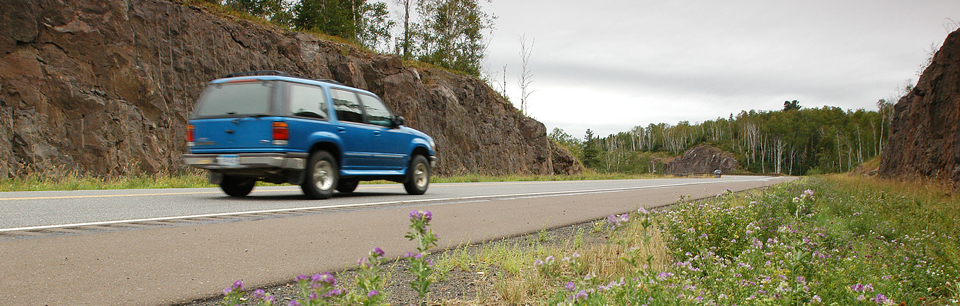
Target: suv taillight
190,135
281,133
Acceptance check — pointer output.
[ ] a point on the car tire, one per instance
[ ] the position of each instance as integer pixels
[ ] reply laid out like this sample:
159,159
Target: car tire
418,176
321,177
347,186
236,186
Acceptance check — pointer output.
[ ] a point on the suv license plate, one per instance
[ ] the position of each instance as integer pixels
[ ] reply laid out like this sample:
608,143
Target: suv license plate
228,160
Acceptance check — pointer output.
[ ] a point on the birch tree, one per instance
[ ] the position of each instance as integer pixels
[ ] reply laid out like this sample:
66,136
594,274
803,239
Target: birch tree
526,75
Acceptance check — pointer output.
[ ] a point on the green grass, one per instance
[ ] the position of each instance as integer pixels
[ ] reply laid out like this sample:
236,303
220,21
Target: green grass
835,240
52,180
67,180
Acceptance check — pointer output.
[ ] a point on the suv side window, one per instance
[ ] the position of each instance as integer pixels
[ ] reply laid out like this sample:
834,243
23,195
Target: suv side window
346,105
308,101
377,112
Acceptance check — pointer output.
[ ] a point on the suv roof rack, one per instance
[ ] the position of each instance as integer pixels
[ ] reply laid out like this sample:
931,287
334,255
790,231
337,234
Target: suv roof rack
258,72
277,72
330,81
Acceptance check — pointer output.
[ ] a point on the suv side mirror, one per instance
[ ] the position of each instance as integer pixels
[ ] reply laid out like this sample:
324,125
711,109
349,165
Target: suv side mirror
398,121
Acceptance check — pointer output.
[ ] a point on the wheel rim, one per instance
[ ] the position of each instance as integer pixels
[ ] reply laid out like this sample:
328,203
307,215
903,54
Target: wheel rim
420,175
323,175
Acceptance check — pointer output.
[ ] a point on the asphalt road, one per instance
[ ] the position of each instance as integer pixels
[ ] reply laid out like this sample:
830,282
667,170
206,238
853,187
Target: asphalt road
157,247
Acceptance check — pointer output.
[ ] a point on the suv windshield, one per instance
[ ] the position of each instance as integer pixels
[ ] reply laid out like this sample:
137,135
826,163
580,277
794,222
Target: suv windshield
247,98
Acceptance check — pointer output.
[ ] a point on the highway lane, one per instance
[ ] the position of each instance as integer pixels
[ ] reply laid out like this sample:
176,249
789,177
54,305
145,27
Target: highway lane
172,264
30,210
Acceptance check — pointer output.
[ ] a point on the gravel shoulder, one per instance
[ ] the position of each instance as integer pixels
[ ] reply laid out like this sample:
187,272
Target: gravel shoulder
458,287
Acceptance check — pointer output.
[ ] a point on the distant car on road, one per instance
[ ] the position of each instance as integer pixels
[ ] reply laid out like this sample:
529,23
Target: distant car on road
319,134
717,172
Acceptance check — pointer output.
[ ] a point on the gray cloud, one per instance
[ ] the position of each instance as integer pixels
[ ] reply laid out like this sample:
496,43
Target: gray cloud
667,61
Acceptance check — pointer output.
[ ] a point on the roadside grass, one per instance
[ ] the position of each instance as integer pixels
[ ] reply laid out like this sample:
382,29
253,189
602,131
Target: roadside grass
191,178
829,240
72,180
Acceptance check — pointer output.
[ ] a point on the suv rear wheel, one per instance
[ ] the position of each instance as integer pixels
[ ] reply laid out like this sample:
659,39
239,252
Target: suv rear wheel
418,176
322,175
347,186
236,186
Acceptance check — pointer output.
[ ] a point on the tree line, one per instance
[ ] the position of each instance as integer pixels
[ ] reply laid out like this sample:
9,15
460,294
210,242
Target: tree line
446,33
793,141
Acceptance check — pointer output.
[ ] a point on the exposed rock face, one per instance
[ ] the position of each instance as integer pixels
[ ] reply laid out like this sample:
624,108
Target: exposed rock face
105,87
925,132
702,159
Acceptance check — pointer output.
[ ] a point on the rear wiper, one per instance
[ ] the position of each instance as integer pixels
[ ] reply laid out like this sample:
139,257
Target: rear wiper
237,120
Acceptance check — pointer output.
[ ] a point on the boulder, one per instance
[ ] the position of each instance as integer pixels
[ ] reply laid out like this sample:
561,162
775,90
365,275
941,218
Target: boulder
702,159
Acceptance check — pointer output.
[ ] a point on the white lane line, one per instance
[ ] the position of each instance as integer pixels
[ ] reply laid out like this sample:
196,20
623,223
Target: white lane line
457,199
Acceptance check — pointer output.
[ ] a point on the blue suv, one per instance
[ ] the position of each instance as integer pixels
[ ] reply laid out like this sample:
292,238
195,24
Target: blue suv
319,134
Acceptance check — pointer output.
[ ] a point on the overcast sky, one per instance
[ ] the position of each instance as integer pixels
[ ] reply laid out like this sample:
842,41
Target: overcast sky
610,65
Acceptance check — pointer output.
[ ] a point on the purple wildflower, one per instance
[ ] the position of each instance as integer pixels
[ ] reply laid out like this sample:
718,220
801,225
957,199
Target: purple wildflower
372,293
815,299
643,211
582,295
313,296
302,277
333,293
881,299
294,303
612,219
238,285
259,294
570,286
377,252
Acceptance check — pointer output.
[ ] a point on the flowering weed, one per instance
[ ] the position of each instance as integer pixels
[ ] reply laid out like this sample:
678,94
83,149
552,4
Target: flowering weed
421,267
815,241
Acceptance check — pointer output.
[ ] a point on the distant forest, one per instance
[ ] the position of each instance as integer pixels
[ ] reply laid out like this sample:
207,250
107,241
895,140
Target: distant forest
793,141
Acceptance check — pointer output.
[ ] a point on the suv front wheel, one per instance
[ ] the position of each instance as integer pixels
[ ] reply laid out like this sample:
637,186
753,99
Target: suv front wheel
418,176
322,175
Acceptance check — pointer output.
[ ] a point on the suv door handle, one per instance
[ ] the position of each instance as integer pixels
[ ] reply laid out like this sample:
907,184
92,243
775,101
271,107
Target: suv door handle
341,129
376,133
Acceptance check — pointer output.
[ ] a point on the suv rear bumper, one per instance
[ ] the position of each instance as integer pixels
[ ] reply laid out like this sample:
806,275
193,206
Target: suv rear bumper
296,161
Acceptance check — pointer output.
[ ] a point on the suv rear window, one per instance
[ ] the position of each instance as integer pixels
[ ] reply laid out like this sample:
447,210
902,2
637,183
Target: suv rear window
247,98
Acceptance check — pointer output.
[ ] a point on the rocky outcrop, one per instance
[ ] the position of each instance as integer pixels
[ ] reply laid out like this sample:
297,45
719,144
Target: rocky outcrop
702,159
925,131
105,87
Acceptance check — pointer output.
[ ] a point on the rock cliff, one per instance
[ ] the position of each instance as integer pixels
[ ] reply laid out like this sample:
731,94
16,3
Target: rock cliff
925,132
702,159
104,87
